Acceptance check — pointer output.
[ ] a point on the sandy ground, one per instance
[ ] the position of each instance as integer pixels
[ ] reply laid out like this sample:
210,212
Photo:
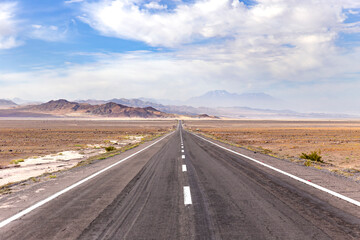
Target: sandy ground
20,139
338,141
36,166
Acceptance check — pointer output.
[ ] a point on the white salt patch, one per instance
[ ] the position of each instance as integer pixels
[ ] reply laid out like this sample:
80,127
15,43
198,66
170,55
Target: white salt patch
62,156
36,166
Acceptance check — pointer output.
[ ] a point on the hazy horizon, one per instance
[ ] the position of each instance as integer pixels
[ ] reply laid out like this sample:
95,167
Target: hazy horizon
303,52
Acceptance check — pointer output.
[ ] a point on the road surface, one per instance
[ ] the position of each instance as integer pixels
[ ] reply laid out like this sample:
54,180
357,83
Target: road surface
188,188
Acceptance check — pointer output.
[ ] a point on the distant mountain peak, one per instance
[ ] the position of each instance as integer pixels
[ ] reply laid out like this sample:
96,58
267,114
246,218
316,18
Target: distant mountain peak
63,107
151,109
218,93
5,102
112,104
59,101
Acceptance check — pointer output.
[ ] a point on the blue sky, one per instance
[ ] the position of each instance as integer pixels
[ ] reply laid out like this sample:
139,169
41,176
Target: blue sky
304,52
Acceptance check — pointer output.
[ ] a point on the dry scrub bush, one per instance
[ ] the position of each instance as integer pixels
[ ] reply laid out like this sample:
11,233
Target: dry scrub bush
313,156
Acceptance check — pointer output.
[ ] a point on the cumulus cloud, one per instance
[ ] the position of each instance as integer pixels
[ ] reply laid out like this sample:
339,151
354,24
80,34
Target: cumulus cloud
205,19
8,26
285,36
131,19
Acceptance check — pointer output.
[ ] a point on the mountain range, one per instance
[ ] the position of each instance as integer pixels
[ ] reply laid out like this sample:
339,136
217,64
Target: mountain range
230,112
223,98
200,104
63,107
214,103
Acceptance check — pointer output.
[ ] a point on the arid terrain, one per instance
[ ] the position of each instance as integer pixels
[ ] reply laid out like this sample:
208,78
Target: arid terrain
21,139
62,108
337,142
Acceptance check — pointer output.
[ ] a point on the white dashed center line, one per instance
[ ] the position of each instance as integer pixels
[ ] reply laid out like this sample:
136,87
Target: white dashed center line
184,169
187,193
187,196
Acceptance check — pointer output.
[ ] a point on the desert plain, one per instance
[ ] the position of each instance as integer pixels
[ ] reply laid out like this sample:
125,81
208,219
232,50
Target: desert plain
21,139
26,143
337,142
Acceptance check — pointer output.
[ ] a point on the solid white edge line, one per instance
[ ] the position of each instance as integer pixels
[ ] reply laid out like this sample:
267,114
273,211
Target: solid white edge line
187,196
42,202
350,200
184,169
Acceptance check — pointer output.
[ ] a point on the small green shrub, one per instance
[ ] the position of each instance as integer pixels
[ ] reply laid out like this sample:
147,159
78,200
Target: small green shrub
110,148
52,176
17,161
313,156
307,163
34,179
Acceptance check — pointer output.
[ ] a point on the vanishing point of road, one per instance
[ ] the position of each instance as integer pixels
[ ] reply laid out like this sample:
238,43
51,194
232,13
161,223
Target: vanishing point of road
182,187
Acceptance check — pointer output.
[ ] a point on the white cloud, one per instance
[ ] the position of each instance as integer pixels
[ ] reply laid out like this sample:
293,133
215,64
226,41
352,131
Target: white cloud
204,19
155,5
126,19
48,33
288,36
8,26
129,75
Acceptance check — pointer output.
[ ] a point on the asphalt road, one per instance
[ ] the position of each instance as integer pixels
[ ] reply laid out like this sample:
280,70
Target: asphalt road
230,198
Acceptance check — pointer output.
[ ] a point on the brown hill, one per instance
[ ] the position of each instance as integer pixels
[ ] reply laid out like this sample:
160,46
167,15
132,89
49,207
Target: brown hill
114,109
205,116
63,107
